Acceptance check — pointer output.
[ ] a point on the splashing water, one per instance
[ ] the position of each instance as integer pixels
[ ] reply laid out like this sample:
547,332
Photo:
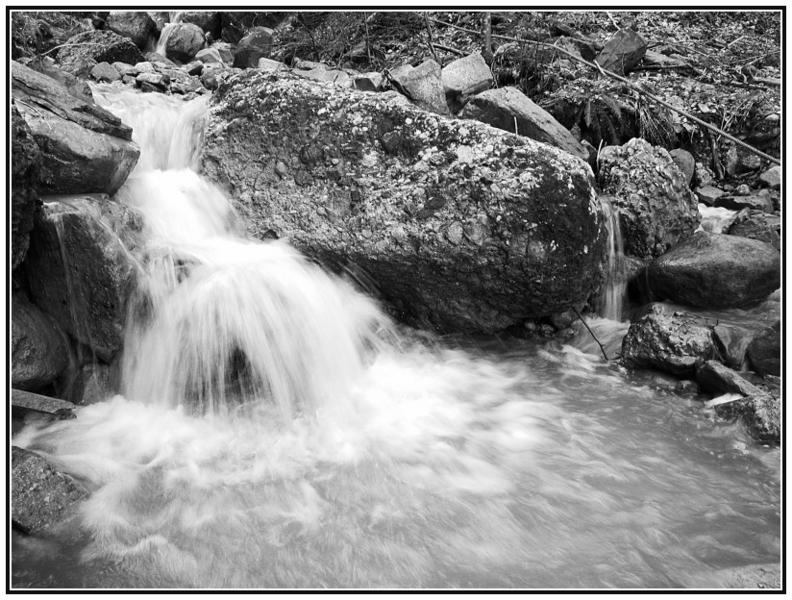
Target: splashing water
363,459
715,219
615,281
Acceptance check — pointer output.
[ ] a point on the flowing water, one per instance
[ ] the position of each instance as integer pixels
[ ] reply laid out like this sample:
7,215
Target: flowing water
276,430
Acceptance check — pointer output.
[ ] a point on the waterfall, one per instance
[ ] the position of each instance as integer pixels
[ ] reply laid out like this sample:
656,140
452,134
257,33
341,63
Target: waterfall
612,299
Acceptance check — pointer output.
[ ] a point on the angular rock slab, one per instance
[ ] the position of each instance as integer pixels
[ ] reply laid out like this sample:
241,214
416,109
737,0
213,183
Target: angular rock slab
712,270
461,226
509,109
423,85
136,25
465,77
764,351
623,52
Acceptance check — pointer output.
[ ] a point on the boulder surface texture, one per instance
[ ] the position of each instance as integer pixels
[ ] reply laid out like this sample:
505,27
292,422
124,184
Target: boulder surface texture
25,166
461,226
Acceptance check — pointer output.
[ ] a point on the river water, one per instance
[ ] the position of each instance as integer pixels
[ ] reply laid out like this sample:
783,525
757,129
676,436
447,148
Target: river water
277,430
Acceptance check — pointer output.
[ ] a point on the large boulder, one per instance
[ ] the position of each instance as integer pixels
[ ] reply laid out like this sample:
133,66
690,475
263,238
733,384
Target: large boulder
712,270
655,207
84,147
183,42
25,167
622,52
465,77
207,20
39,349
136,25
81,53
764,351
422,84
509,109
76,86
256,44
81,271
669,341
461,226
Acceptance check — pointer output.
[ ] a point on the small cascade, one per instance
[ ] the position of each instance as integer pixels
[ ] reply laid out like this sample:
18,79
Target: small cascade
612,299
163,38
715,219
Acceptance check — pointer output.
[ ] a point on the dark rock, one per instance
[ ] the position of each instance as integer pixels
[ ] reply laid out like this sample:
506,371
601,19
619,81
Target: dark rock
84,50
465,77
25,167
153,81
234,25
713,270
622,52
771,178
423,85
209,56
207,20
95,383
761,415
183,42
80,271
36,32
503,107
105,72
76,86
256,44
764,351
436,248
757,225
137,25
23,402
715,378
655,207
194,68
686,163
84,147
673,342
155,58
732,343
739,202
708,194
367,82
42,498
39,349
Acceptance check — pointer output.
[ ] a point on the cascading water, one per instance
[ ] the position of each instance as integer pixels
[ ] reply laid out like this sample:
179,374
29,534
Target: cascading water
274,432
615,282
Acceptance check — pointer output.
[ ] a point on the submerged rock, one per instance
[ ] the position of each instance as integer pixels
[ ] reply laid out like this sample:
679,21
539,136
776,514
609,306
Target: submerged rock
462,227
712,270
25,167
764,351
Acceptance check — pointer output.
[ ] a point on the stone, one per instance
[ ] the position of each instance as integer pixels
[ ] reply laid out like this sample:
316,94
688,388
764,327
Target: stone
308,65
757,201
95,383
465,77
703,175
256,44
760,414
183,42
267,64
507,108
225,50
39,348
234,25
712,270
716,379
658,59
186,86
436,247
368,82
145,67
771,178
757,225
136,25
334,76
209,56
76,86
422,85
155,58
153,81
622,52
207,20
708,194
686,163
126,69
80,270
743,190
84,50
732,342
194,68
105,72
23,402
764,351
656,209
25,168
84,147
42,498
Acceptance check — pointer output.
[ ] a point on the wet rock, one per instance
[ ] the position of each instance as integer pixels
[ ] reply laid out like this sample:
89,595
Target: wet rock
672,342
234,25
758,202
24,403
434,246
732,343
368,82
771,178
465,77
153,82
423,85
761,415
156,58
83,51
39,349
209,56
76,86
267,64
25,167
80,271
713,270
183,42
716,378
708,194
207,20
686,163
507,106
105,72
764,351
656,208
84,147
136,25
256,44
95,383
622,52
757,225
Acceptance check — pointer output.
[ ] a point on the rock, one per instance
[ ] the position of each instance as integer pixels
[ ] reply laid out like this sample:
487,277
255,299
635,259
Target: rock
126,69
95,383
686,163
465,77
743,190
209,56
764,351
661,60
36,32
256,44
234,25
76,86
80,271
703,175
334,76
758,202
137,25
368,82
310,65
183,42
207,20
153,82
750,577
622,52
757,225
225,51
771,178
105,72
708,194
23,402
267,64
42,497
655,206
732,342
155,58
186,86
507,106
210,77
712,270
717,379
39,349
435,246
761,415
25,167
84,50
422,85
673,342
194,68
84,147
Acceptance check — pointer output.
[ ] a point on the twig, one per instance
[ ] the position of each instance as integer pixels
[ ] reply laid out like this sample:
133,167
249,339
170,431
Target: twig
602,348
429,35
624,80
368,44
734,41
449,49
612,20
716,162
